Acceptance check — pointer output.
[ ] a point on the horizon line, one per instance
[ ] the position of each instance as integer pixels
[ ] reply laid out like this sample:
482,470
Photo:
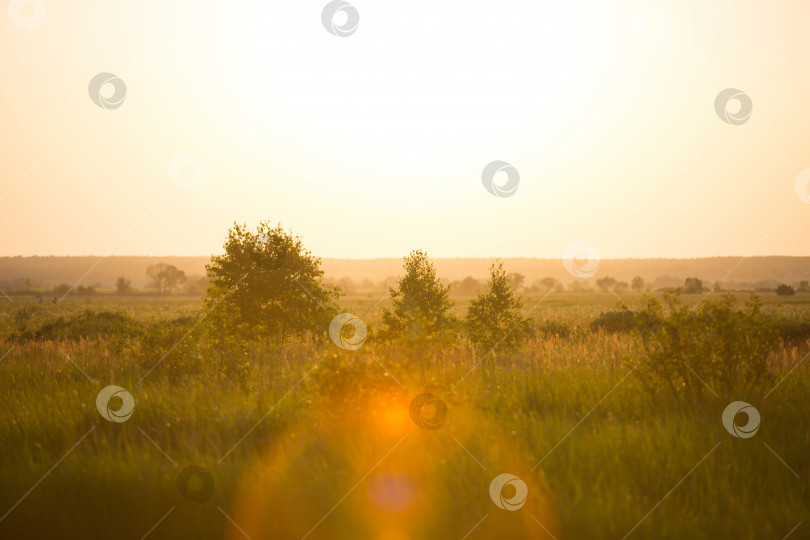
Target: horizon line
504,257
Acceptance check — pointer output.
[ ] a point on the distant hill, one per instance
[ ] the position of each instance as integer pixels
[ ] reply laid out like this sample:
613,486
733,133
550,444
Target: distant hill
748,272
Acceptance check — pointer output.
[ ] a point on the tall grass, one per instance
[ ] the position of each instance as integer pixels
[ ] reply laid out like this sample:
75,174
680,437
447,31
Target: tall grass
566,414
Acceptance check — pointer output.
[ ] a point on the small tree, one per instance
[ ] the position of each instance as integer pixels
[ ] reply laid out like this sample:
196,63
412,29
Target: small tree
123,285
165,277
606,283
421,304
637,284
493,319
268,282
785,290
692,285
804,287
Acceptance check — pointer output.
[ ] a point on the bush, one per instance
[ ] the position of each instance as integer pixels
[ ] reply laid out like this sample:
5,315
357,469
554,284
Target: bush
622,320
709,348
792,332
553,328
785,290
89,324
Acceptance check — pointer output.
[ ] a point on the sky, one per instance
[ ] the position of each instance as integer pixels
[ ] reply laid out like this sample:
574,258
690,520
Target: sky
373,144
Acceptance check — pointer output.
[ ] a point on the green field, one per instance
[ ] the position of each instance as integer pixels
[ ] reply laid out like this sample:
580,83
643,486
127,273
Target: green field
308,440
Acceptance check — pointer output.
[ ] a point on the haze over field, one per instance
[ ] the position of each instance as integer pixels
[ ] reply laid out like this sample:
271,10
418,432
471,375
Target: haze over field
456,270
734,271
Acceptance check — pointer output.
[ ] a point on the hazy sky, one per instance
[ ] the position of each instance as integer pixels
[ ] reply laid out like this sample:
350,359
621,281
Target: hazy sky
374,144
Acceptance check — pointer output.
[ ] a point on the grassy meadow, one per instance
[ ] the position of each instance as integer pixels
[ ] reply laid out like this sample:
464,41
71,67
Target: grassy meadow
306,440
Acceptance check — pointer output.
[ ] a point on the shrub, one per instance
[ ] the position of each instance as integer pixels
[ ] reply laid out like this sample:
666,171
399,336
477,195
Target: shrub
709,348
89,324
785,290
554,328
622,320
793,332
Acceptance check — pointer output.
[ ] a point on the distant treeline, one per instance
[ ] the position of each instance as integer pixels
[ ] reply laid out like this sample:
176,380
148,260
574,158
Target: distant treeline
752,273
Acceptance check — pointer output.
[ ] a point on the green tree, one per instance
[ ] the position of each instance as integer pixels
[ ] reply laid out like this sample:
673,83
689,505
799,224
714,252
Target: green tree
421,303
165,277
268,282
637,284
493,319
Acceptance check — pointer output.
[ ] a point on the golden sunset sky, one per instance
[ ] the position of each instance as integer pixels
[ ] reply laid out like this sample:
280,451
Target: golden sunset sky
374,144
